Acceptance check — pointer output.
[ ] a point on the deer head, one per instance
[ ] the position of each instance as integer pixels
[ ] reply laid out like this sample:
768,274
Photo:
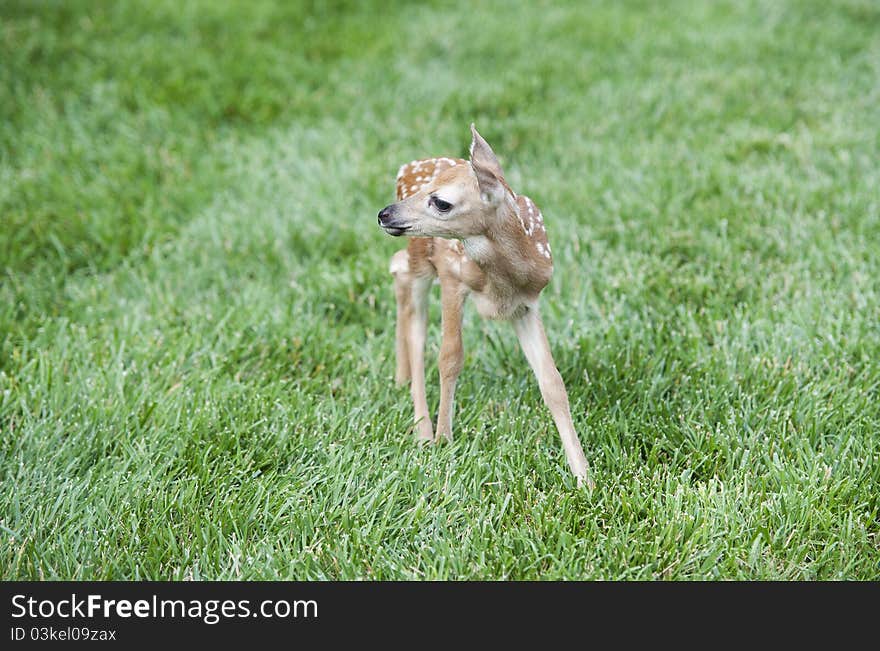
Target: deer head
458,202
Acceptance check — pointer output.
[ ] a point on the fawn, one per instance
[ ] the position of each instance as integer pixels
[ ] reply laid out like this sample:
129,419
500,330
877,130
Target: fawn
479,238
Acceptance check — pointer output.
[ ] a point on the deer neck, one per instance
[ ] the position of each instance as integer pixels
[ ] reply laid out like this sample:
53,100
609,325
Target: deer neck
505,253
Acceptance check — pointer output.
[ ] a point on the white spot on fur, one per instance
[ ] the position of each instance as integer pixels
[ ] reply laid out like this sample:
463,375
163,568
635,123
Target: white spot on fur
543,249
530,229
530,210
521,222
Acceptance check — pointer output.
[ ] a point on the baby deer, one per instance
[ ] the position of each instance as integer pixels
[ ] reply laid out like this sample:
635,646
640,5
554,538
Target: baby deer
480,238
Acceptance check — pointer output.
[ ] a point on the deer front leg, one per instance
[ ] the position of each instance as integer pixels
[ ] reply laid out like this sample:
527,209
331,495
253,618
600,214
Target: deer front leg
452,295
530,332
402,292
418,328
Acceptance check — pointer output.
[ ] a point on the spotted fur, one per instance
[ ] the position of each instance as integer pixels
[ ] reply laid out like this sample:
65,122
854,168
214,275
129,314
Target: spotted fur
413,176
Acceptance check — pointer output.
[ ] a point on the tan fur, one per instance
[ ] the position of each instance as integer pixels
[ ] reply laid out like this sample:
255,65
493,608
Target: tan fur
492,246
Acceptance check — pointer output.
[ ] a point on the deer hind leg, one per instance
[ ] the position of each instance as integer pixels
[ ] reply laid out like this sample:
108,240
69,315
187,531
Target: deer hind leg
402,291
451,351
533,340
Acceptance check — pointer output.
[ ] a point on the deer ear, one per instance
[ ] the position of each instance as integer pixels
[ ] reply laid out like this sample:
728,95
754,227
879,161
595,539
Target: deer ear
487,168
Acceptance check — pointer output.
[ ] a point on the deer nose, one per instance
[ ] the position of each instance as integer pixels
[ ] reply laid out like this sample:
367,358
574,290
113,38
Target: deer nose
385,215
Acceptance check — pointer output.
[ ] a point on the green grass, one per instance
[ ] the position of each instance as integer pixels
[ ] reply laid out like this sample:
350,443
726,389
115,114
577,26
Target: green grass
196,319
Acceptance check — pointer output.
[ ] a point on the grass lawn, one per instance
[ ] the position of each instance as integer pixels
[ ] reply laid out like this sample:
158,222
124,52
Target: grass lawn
196,318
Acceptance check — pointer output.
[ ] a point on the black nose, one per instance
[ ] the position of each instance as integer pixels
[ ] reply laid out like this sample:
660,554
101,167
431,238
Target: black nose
385,215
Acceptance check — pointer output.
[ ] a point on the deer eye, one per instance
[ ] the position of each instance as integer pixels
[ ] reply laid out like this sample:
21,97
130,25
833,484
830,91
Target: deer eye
442,206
